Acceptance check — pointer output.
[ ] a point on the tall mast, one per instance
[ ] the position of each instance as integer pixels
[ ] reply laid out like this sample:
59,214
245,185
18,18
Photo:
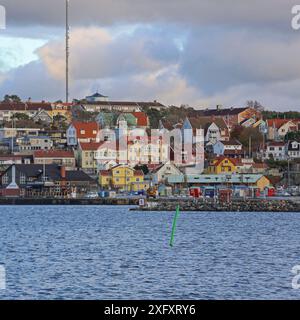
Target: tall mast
67,50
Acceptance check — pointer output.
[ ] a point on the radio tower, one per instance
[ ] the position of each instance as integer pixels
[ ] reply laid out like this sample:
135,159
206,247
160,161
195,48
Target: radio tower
67,50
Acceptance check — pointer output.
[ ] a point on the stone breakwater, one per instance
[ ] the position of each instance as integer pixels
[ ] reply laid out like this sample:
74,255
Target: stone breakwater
234,206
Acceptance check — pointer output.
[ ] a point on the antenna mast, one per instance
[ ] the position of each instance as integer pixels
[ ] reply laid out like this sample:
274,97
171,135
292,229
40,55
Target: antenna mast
67,50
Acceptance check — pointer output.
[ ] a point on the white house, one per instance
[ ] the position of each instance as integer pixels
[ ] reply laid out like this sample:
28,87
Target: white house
228,148
162,173
293,149
276,151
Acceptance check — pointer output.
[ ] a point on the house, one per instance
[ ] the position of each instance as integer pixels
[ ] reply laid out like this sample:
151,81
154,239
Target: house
279,128
250,180
214,130
58,136
161,174
10,159
29,144
8,133
129,118
106,119
36,180
82,132
142,120
59,157
9,109
102,103
87,156
223,165
231,148
42,116
275,150
293,149
63,110
144,150
123,178
97,97
231,116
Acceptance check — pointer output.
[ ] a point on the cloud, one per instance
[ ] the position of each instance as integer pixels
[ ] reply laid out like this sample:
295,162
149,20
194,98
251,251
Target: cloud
217,60
200,52
107,12
98,54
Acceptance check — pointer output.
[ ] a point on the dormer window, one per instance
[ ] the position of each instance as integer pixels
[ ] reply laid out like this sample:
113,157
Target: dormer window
82,131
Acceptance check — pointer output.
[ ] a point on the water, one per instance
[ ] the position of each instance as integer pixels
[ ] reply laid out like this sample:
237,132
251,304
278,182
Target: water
112,253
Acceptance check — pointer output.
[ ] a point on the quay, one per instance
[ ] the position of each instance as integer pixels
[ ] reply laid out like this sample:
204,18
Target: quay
71,202
249,205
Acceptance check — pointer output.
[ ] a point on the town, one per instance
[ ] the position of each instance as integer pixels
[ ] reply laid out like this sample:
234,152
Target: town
54,150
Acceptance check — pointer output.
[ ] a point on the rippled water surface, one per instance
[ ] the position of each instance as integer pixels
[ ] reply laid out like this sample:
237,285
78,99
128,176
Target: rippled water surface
113,253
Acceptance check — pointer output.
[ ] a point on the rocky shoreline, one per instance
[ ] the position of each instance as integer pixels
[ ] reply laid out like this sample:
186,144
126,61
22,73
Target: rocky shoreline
234,206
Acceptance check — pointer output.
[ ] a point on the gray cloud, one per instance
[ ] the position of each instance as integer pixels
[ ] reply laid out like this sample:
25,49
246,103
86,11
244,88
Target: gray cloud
107,12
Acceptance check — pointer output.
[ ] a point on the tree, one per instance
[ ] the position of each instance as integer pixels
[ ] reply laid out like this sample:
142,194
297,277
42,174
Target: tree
255,105
20,116
293,136
244,134
143,167
11,98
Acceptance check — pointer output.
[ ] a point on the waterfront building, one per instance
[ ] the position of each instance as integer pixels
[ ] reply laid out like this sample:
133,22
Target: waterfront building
123,178
50,180
258,181
161,174
59,157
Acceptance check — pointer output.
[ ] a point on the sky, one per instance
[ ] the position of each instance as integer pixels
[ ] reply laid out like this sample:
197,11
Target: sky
197,52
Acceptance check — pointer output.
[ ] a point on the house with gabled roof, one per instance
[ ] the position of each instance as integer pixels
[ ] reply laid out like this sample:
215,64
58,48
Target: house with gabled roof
279,128
82,132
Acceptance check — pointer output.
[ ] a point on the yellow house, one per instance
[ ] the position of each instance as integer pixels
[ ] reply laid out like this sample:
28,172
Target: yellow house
61,109
223,165
262,183
123,177
87,155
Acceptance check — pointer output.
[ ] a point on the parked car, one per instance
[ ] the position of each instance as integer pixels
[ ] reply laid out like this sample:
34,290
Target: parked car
91,195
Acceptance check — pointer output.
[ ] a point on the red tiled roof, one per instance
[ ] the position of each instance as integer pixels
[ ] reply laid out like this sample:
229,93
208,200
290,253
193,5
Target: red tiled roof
276,144
105,173
91,146
277,123
142,118
232,160
53,154
138,173
260,166
90,129
28,106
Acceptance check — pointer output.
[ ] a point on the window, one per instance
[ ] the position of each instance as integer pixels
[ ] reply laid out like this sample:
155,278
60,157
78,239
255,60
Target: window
22,179
82,131
5,179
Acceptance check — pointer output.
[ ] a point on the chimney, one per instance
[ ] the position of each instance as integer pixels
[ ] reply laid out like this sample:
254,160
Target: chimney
63,172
